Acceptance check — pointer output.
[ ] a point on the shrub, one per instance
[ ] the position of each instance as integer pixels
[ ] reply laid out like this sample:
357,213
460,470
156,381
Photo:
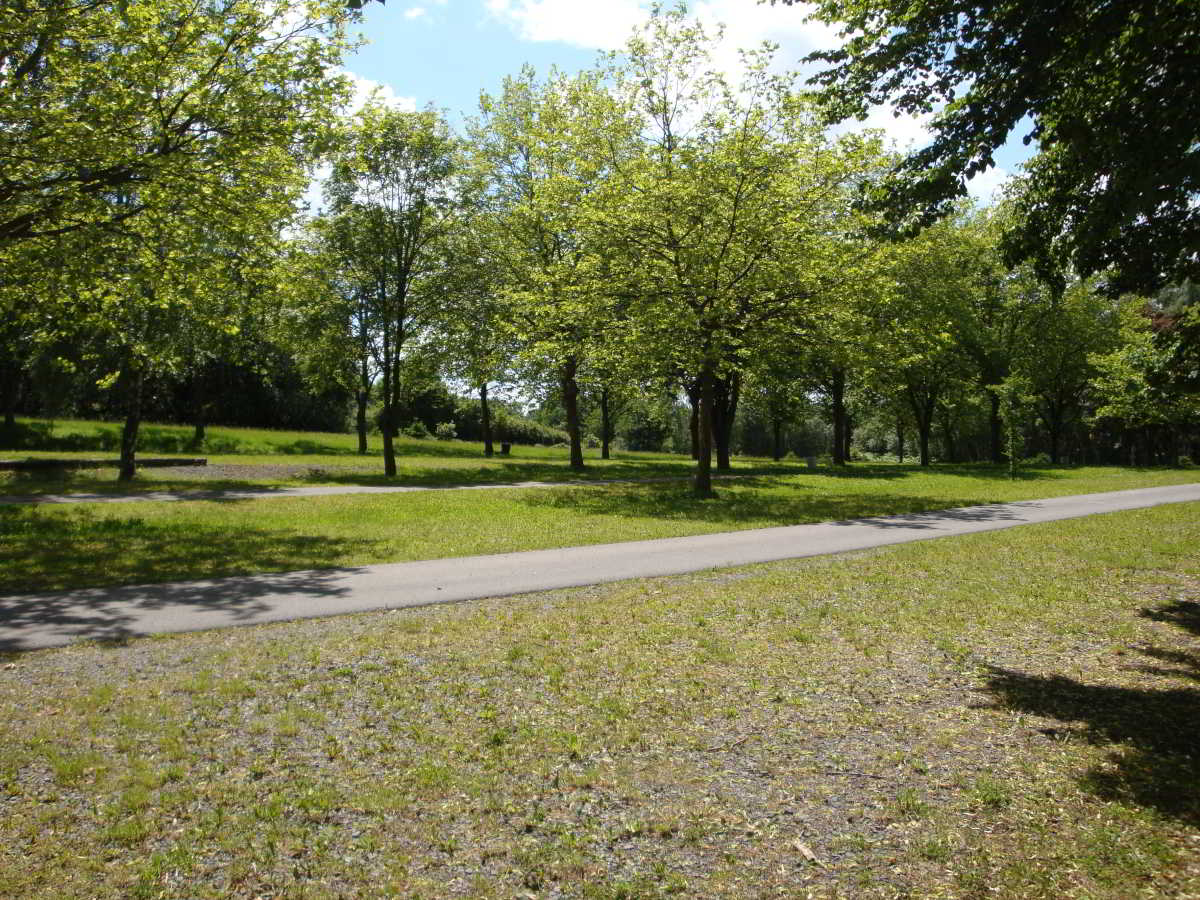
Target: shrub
1184,461
445,431
417,430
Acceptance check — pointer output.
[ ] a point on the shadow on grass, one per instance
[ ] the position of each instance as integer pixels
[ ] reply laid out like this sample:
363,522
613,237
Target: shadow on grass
503,472
749,500
80,490
978,471
1155,762
51,553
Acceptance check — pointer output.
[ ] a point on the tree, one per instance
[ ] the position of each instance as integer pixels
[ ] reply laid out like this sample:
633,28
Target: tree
1110,87
475,343
919,356
544,147
723,180
393,197
326,316
1057,361
101,100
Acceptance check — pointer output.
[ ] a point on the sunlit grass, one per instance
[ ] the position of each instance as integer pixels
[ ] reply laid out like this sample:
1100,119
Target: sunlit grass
86,545
1007,715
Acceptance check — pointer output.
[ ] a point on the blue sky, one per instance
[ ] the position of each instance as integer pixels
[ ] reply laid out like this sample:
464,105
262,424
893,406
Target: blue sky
444,52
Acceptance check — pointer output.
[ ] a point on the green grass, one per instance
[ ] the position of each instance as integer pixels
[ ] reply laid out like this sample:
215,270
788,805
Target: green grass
243,457
85,545
1008,715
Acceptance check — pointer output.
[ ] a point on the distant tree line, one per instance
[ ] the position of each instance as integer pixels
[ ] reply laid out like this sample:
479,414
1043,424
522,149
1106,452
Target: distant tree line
647,255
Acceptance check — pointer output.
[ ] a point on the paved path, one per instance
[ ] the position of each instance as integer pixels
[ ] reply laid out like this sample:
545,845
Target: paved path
48,620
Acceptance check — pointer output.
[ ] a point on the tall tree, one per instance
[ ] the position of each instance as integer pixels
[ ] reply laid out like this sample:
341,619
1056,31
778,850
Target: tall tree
545,146
392,191
724,178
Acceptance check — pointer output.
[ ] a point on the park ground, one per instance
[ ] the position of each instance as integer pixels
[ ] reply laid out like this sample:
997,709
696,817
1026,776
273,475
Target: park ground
1011,714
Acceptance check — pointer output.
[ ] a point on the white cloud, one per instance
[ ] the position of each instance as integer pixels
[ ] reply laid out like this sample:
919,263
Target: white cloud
907,132
416,12
747,24
598,26
986,187
364,88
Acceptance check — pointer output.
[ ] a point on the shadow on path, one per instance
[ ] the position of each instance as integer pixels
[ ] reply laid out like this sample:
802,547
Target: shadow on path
108,614
996,512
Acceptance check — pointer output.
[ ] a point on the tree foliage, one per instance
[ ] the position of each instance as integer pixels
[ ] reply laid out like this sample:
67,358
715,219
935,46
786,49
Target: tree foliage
1110,88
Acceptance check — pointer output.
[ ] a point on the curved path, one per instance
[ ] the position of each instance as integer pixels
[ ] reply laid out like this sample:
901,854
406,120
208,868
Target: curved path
49,620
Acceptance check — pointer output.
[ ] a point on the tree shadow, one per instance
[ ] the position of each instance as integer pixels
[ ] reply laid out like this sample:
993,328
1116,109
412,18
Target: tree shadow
114,615
41,553
991,512
1155,732
758,500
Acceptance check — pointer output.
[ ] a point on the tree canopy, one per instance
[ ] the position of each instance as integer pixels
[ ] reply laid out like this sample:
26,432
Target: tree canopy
1110,88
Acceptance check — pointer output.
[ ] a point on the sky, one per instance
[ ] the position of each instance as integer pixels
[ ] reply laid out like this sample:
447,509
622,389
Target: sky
445,52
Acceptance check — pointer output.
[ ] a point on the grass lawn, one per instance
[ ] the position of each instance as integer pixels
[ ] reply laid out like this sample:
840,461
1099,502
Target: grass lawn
1007,715
241,457
82,545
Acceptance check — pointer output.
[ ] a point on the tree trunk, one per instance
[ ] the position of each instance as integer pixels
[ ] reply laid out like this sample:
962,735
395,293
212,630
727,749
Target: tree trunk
11,388
361,398
605,424
838,396
133,419
995,428
199,411
899,442
693,393
360,421
923,405
948,434
703,482
390,398
726,392
570,390
777,438
848,432
486,415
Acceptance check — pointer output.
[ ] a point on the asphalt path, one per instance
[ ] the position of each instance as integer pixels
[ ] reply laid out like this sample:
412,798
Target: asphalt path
48,620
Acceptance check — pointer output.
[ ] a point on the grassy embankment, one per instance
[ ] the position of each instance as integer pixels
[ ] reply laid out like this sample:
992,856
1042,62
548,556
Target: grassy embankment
85,545
1009,715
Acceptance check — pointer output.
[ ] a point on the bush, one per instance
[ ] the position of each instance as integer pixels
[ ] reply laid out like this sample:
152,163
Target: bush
506,425
445,431
417,430
1185,461
1041,459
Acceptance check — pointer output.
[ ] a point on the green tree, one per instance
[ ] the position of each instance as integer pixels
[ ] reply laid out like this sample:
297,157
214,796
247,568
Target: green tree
326,317
101,100
545,147
724,179
1111,90
393,197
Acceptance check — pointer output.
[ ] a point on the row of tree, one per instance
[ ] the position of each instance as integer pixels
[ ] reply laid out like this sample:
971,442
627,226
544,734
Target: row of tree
645,228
